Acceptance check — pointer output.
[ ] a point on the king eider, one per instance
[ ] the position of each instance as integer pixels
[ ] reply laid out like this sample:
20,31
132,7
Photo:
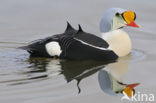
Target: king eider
79,45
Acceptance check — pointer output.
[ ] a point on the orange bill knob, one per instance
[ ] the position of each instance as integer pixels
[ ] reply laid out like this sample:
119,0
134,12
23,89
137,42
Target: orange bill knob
129,17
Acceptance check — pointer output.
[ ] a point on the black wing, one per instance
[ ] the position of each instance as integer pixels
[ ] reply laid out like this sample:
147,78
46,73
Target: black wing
76,50
90,38
83,45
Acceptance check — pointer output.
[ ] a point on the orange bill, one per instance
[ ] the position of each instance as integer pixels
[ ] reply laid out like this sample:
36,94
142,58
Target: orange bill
129,17
129,89
133,85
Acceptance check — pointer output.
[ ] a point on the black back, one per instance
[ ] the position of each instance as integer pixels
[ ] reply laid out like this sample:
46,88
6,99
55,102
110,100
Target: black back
78,51
90,38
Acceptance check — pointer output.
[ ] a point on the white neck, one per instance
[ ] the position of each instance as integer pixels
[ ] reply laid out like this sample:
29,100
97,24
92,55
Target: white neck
118,41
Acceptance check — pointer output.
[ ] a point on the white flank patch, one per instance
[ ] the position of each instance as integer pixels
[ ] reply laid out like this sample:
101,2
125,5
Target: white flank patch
92,45
53,48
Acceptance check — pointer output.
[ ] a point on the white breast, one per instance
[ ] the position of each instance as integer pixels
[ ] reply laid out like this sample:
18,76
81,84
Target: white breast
119,42
53,48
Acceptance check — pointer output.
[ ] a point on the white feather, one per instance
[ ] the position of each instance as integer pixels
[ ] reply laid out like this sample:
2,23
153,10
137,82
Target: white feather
92,45
119,42
53,48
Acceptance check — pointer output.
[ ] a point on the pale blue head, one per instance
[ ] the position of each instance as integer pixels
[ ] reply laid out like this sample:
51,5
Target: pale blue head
115,18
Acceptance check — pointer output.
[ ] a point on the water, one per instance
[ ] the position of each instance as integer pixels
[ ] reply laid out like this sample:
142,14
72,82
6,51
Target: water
43,80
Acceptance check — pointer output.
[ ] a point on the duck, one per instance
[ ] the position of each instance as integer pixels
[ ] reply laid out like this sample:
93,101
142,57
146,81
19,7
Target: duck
80,45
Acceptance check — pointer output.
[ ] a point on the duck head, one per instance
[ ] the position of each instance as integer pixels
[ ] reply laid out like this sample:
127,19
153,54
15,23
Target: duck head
116,18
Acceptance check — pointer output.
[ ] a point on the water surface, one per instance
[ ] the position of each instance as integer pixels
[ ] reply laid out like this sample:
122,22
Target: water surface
44,80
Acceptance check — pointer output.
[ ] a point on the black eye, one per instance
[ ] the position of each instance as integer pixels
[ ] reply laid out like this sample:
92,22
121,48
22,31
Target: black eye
117,14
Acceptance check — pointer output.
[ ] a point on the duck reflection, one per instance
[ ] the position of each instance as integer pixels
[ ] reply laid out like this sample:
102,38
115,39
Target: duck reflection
72,70
79,70
110,74
110,78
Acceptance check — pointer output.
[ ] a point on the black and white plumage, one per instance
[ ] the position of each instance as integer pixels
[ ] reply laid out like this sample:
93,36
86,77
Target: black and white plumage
72,44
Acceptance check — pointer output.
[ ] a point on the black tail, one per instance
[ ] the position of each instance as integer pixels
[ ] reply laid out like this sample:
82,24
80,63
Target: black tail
24,47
